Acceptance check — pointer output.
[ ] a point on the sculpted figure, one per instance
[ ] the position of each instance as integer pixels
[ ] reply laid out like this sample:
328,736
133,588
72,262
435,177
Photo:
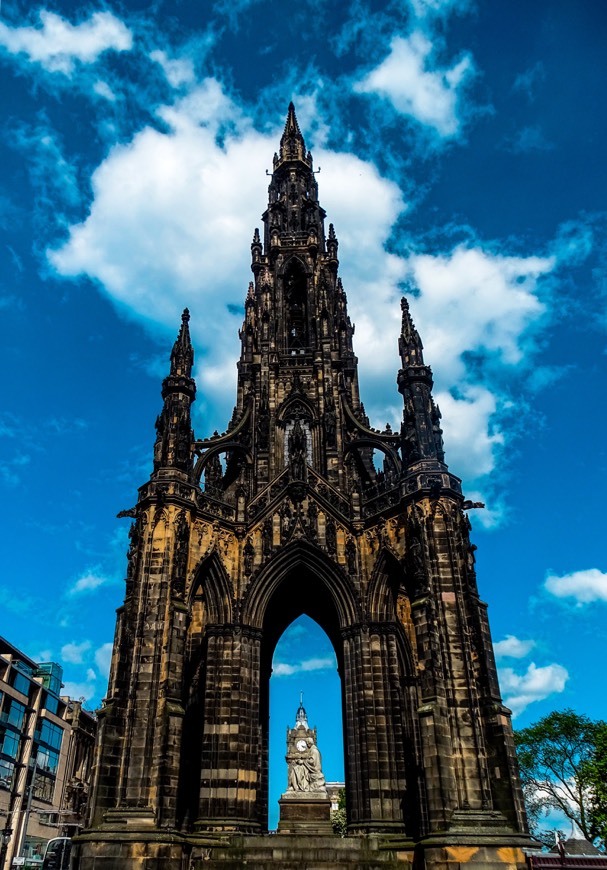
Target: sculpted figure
299,779
316,777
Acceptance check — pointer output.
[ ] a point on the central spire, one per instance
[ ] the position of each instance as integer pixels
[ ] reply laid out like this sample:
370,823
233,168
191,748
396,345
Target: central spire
292,145
294,218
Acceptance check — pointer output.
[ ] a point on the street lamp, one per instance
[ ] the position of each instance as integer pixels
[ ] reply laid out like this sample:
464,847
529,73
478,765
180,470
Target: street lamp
6,837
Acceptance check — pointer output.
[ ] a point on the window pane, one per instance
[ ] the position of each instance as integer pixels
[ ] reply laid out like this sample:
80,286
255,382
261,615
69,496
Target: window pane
47,760
44,786
16,714
51,703
20,682
10,744
50,734
6,773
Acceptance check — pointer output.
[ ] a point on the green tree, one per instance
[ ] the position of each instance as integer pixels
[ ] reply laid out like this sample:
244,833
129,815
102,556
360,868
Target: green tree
594,773
563,763
339,820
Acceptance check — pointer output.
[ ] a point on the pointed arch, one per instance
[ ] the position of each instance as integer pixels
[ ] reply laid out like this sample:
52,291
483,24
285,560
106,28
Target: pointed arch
294,262
296,398
383,586
211,578
327,577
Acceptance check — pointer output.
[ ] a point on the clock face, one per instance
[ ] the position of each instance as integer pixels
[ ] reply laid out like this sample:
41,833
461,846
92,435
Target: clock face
301,745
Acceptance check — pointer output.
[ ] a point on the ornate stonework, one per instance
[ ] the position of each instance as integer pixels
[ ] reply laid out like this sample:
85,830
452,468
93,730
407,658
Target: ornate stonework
222,535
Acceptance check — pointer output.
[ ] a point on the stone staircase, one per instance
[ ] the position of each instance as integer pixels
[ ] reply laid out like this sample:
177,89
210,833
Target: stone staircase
300,852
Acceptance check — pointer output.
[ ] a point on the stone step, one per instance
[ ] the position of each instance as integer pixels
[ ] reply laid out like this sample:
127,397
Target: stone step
297,852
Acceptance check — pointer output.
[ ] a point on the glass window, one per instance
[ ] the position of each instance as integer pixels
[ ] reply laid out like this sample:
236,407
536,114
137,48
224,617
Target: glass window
16,714
20,682
47,760
50,703
10,744
6,773
44,786
50,734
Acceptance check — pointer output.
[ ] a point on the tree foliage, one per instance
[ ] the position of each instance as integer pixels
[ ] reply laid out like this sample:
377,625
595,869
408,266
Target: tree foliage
563,763
339,819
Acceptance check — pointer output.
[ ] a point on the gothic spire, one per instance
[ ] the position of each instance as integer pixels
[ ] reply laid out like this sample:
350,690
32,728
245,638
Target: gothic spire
421,432
292,145
182,355
409,344
174,436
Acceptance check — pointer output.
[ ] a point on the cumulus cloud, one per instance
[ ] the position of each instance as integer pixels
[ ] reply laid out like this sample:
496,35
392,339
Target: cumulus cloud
172,219
84,691
535,684
170,226
89,581
417,88
512,647
103,658
583,587
285,669
74,653
57,44
178,71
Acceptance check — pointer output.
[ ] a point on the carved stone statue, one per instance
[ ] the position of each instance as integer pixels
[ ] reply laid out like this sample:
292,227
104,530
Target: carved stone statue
297,451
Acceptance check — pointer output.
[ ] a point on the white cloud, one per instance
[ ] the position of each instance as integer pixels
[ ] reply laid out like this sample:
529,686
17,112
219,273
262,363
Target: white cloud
583,586
74,652
88,583
57,44
512,647
407,77
103,658
170,226
535,684
474,299
438,8
178,71
103,90
86,691
90,675
178,210
284,669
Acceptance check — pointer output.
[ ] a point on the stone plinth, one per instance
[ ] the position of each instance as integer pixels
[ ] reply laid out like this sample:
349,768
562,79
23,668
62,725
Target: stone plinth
305,812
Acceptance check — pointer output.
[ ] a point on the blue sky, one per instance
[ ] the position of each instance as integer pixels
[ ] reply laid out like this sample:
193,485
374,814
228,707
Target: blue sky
461,148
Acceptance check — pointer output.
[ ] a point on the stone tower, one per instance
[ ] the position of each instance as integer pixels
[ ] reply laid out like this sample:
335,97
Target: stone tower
286,513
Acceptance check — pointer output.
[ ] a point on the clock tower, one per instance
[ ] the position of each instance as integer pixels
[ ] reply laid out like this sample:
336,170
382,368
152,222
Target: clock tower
225,532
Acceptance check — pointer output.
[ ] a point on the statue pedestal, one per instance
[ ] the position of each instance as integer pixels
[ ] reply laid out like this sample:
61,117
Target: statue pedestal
305,812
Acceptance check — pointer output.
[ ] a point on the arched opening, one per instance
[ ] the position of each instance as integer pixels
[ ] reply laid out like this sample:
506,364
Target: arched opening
300,581
304,661
296,308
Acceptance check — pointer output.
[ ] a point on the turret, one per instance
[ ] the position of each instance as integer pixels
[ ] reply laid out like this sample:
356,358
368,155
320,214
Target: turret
174,436
421,435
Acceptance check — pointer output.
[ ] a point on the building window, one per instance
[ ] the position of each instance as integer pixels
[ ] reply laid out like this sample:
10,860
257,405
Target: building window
10,744
20,682
47,760
49,734
50,703
16,714
44,786
7,768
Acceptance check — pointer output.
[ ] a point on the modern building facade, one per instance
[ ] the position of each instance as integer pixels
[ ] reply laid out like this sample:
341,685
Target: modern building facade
46,748
301,506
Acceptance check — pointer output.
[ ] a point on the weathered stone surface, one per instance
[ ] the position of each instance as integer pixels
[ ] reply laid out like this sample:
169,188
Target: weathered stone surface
286,513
